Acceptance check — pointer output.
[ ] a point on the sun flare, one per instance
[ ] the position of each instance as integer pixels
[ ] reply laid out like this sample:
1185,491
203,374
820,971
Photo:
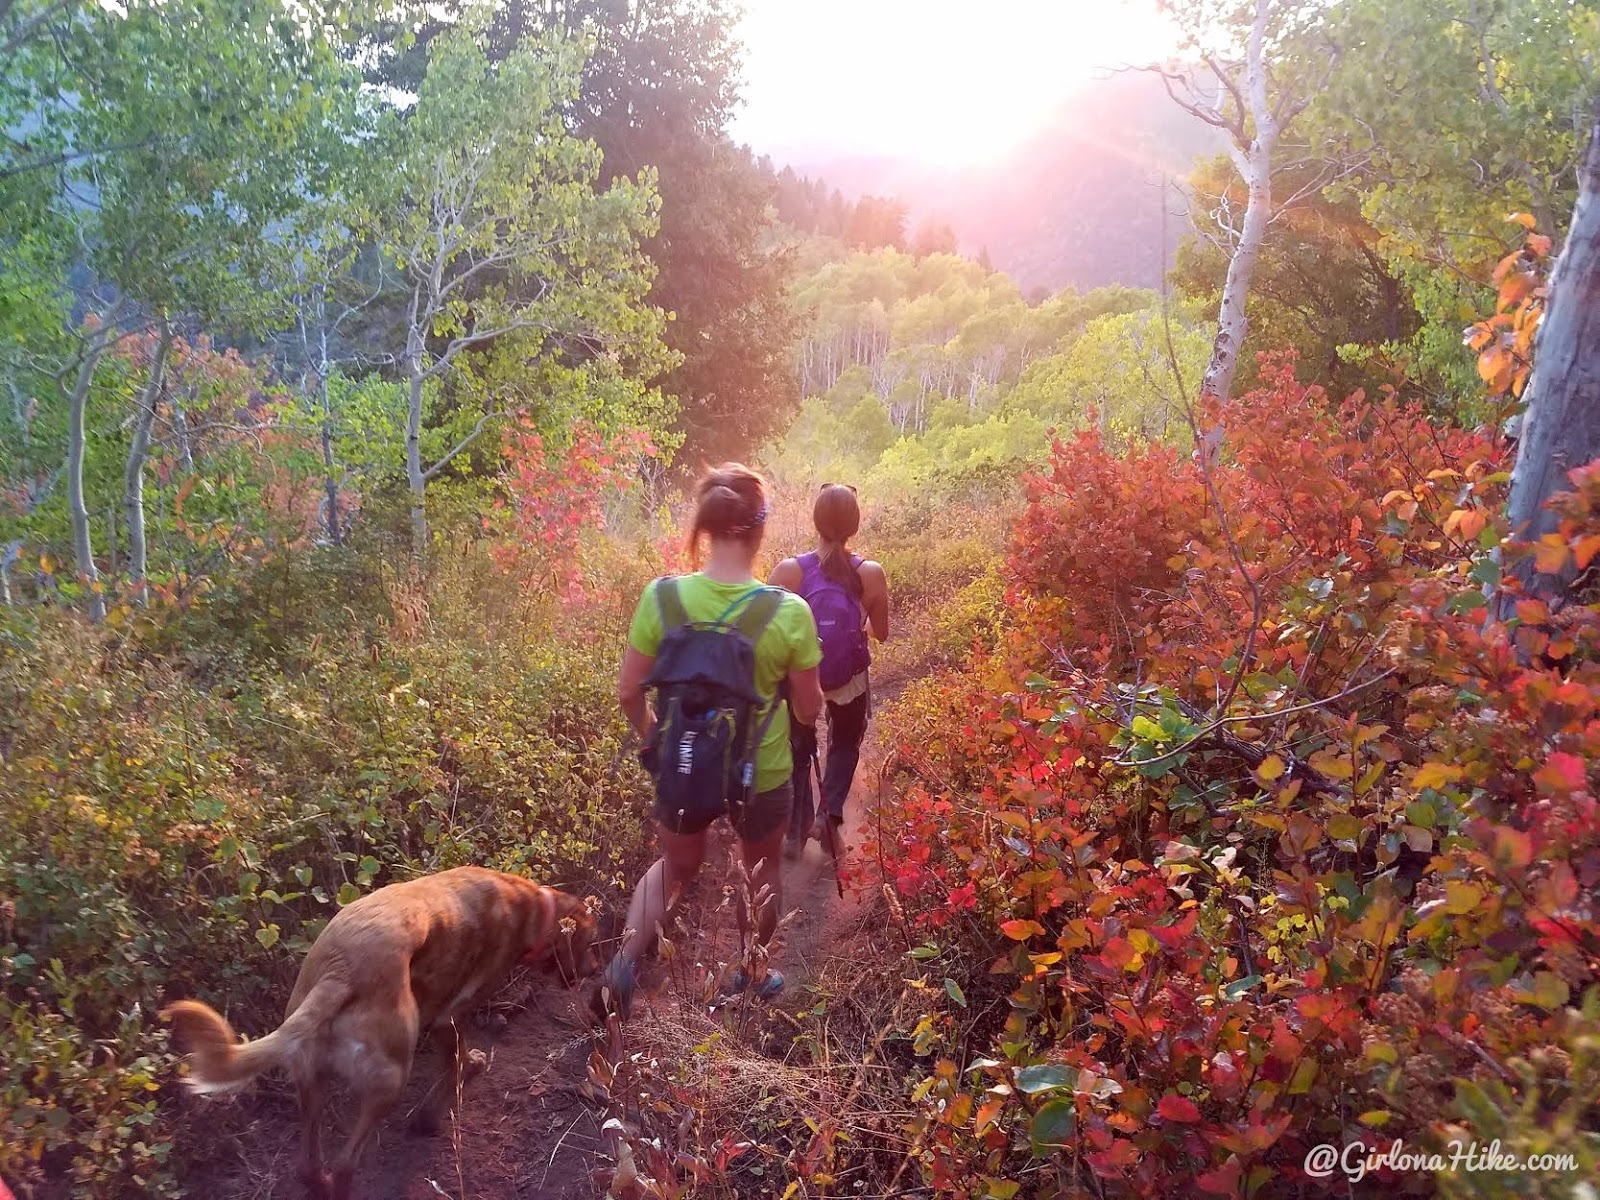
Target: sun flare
942,81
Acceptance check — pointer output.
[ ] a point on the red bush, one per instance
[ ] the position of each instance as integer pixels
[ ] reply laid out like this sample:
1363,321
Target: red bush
1277,841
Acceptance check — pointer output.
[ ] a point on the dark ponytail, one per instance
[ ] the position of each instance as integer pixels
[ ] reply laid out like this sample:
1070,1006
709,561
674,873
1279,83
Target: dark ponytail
837,516
730,501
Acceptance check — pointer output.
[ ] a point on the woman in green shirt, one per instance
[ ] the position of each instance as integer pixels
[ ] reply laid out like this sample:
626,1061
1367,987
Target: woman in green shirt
730,517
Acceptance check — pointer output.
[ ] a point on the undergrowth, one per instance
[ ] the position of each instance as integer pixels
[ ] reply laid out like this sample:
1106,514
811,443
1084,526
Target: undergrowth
186,798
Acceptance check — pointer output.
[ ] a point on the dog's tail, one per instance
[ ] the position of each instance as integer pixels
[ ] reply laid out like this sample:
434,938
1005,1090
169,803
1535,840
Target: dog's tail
219,1062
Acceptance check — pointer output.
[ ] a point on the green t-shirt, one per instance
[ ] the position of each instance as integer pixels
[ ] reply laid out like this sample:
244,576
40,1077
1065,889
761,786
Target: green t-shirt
789,643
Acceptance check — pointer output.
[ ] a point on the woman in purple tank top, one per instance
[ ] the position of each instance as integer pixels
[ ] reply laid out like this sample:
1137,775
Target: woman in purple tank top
849,597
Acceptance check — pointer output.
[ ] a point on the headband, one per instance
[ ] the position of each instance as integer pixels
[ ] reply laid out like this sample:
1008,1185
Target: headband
755,522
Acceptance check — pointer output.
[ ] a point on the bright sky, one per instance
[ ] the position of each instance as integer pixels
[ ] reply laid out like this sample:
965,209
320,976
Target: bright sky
945,81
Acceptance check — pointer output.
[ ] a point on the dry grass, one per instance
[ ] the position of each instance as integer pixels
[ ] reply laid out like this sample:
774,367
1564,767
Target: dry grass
730,1097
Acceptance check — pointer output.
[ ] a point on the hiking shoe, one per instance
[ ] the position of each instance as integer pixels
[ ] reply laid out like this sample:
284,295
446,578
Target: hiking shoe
615,993
739,981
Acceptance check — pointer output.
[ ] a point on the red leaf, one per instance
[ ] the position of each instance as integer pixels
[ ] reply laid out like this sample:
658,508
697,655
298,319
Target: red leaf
1118,953
1254,1138
1562,774
1224,1181
1179,1108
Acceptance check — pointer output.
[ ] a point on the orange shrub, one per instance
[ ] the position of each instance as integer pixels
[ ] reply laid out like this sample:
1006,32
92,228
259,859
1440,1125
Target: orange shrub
1270,839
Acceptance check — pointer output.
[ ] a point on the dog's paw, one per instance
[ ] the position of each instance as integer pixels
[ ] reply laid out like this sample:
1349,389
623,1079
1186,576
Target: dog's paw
318,1184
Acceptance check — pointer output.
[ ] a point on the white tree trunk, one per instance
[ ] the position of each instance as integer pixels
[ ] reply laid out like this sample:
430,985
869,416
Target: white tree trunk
77,439
330,483
1561,427
1254,161
1232,323
416,479
133,468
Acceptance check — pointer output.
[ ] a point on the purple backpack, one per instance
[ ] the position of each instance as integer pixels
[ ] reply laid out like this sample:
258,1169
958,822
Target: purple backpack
840,621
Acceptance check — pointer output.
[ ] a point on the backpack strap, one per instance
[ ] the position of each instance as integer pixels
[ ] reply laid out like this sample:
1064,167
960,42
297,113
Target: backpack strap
760,734
670,604
760,607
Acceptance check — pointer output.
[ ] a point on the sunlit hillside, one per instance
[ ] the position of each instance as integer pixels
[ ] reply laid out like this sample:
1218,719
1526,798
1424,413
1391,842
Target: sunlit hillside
1078,204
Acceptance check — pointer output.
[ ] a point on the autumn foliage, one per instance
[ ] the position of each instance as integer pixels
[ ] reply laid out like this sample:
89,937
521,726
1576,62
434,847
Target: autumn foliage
556,495
1257,834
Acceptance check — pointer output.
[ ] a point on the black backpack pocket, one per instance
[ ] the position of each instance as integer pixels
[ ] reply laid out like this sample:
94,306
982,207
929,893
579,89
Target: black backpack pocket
710,716
695,754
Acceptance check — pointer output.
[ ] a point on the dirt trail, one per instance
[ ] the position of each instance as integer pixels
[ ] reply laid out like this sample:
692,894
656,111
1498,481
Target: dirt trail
524,1131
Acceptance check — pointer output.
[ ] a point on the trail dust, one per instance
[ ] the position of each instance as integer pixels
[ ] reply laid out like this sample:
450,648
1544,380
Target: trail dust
524,1129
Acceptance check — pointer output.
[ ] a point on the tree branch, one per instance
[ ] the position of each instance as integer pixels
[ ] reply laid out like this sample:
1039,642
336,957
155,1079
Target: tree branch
471,437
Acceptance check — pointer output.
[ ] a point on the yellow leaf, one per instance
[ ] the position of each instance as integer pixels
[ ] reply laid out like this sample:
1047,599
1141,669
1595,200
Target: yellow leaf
1333,765
1272,767
1304,1076
1526,220
1461,897
1344,827
1435,775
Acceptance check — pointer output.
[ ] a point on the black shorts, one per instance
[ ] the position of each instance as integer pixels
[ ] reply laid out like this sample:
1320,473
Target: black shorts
763,815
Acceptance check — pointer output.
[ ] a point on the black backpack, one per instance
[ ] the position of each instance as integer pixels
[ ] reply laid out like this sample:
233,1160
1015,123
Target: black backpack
710,718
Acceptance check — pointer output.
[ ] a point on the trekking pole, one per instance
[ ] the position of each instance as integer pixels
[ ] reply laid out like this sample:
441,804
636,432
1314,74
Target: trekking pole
827,824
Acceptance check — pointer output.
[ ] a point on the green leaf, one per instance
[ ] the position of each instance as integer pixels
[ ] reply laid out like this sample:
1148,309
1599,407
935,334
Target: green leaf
953,990
1240,986
267,935
1045,1077
923,952
1053,1126
1148,730
1305,1074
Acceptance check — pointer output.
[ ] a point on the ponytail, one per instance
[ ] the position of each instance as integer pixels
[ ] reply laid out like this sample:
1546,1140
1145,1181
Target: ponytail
837,516
730,502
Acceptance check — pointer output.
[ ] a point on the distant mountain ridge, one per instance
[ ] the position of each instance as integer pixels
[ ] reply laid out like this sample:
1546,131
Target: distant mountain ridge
1079,203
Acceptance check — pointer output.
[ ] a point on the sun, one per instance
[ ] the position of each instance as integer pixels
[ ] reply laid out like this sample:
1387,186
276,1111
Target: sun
945,82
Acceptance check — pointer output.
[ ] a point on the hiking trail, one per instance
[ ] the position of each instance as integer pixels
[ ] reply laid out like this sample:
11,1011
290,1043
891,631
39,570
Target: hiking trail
525,1131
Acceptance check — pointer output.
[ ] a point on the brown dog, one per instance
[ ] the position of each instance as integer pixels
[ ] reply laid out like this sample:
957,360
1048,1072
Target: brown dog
408,957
